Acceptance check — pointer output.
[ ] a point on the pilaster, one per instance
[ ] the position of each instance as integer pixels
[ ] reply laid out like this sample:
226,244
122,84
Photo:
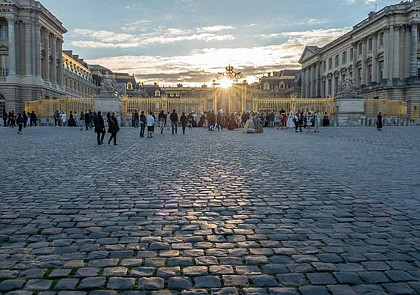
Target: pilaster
28,49
413,50
12,45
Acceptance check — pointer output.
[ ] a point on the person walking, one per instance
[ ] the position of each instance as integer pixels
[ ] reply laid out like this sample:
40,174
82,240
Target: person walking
150,122
142,123
113,127
184,122
162,121
379,122
317,118
4,118
100,128
174,122
19,121
33,119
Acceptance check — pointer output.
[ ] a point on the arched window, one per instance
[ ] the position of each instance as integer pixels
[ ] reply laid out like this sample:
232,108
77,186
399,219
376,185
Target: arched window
129,86
266,86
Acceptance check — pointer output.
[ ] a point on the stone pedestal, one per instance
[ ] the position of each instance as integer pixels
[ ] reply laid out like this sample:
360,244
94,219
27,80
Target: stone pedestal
108,102
350,109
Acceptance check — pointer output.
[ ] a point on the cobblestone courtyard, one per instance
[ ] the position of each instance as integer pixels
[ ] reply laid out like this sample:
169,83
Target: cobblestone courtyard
335,212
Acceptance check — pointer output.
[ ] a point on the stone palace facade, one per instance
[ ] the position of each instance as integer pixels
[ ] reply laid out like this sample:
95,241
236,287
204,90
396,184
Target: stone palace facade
380,55
32,61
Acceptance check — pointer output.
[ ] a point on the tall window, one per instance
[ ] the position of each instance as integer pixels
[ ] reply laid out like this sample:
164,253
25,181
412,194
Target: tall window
337,61
370,44
381,39
351,54
360,49
335,85
344,58
369,69
4,31
330,63
381,70
324,66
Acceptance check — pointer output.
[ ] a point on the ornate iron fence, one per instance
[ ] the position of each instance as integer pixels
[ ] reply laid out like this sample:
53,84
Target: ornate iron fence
47,107
389,108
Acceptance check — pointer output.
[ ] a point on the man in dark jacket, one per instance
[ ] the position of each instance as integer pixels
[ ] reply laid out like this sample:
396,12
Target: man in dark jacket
174,122
142,123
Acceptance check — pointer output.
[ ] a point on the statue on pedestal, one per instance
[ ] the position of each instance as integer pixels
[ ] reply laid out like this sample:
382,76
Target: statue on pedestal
108,83
347,85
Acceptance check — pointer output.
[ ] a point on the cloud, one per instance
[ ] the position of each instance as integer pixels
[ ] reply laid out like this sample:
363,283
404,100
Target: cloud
84,38
201,65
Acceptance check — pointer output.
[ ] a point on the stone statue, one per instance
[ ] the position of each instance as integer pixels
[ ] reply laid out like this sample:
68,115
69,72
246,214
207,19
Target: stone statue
347,85
108,83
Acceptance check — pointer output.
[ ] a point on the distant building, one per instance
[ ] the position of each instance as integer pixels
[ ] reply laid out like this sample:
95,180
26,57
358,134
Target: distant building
283,83
126,84
380,55
78,78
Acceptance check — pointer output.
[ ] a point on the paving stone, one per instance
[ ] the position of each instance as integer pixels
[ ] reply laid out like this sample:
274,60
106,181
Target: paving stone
12,284
142,272
67,284
56,273
151,283
399,276
293,279
179,283
348,278
341,290
235,280
282,291
255,291
114,271
38,284
121,283
314,290
207,282
374,277
369,289
92,282
225,291
264,281
398,288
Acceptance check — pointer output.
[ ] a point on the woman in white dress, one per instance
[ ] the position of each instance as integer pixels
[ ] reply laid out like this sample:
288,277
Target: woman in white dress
290,123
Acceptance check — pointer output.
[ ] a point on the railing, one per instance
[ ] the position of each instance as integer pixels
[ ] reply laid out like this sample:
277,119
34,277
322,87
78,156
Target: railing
156,104
47,107
294,104
389,108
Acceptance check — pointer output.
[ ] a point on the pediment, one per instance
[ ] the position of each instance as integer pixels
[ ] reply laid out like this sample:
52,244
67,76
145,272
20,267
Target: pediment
308,52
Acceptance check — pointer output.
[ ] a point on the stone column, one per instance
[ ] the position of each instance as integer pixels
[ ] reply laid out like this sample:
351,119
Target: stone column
413,54
60,77
386,54
37,51
374,59
390,47
54,60
354,63
317,79
28,49
12,46
397,58
47,56
364,64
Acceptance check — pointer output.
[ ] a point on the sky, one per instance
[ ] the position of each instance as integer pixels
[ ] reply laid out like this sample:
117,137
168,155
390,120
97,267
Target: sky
190,41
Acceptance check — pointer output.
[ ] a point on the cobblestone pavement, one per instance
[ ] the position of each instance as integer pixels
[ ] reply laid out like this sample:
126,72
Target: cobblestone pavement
335,212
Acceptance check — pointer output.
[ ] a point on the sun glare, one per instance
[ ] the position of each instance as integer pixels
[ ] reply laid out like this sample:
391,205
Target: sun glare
225,83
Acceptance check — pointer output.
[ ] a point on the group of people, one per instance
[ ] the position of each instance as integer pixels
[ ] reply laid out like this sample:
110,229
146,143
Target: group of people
22,120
